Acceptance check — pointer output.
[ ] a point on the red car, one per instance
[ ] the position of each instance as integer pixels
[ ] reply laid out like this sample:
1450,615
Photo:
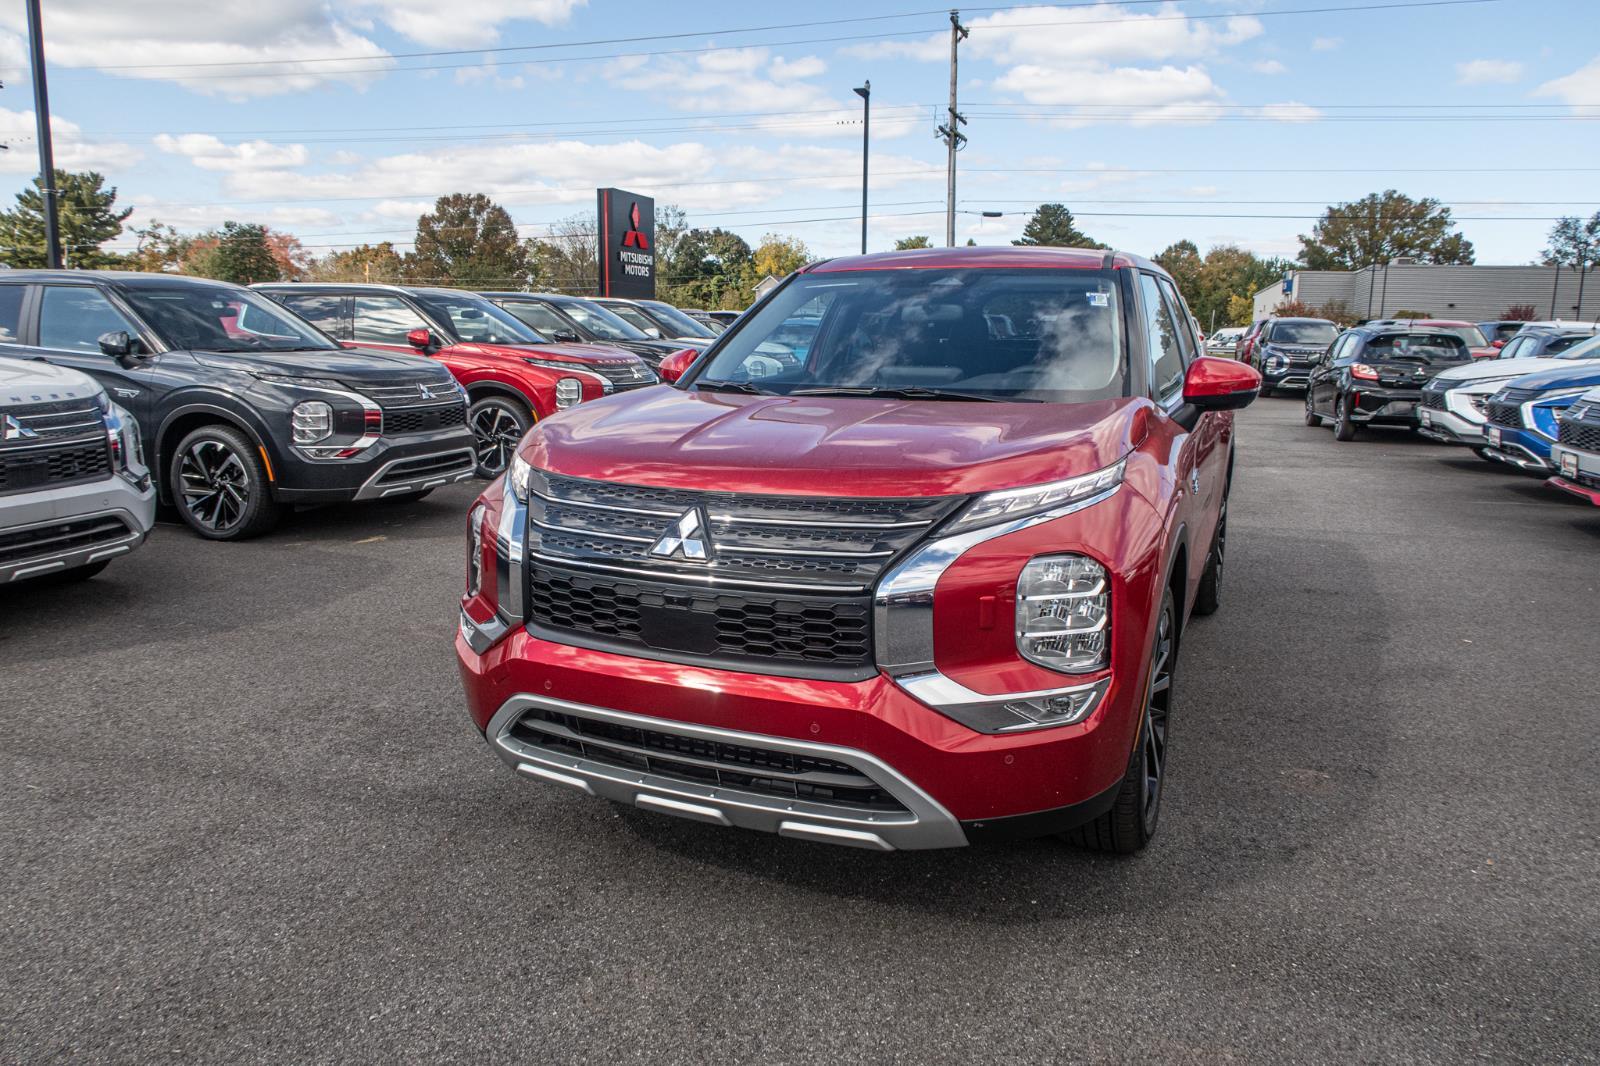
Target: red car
923,586
513,376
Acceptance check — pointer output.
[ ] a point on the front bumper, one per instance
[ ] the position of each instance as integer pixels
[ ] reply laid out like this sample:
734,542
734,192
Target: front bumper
1449,427
1290,377
1577,472
1521,448
60,529
391,467
1386,406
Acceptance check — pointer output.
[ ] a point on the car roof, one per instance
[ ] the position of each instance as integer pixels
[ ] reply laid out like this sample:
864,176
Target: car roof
990,258
1558,326
131,278
1275,321
362,286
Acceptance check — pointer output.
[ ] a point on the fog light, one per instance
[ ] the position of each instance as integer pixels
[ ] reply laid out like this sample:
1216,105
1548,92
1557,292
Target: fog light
569,393
312,421
1064,614
1062,709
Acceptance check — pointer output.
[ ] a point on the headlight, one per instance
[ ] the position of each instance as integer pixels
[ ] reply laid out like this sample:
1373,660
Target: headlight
1064,613
518,476
569,393
312,421
994,507
475,550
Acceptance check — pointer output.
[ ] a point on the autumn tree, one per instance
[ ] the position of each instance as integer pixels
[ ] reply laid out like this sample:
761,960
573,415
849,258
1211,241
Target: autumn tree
86,218
906,244
1382,227
469,241
1182,260
240,252
568,258
1052,225
161,249
378,263
291,256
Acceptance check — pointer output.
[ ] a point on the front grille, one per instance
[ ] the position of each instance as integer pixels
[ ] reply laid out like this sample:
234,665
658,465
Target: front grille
738,767
624,374
404,394
1433,399
397,421
784,580
427,466
58,418
1502,413
19,546
23,468
1585,435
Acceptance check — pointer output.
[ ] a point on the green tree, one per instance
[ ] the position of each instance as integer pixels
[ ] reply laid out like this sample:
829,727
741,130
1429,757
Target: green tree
161,249
470,241
706,269
1182,260
1381,227
568,258
1052,225
906,244
366,262
240,252
86,217
1574,242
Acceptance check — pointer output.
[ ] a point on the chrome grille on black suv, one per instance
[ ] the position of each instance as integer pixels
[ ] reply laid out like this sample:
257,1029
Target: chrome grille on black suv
409,393
716,577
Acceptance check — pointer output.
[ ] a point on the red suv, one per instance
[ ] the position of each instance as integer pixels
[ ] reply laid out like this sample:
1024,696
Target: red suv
513,375
923,586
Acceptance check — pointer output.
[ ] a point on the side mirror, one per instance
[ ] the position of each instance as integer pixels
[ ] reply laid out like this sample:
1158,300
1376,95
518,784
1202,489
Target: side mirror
677,364
566,336
1220,384
118,344
653,333
423,339
1497,344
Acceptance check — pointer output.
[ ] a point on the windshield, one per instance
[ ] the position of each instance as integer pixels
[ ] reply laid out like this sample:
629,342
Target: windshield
1027,335
676,322
1589,349
1317,333
206,319
1501,331
1428,346
474,319
635,318
1472,336
1562,346
601,322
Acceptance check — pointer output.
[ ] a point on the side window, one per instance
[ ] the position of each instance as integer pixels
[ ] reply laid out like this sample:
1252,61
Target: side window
324,312
385,320
1180,314
10,312
1166,357
540,317
72,318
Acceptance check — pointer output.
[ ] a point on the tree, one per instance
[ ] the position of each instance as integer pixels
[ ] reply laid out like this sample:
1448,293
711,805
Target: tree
706,269
366,262
1241,310
1336,311
1519,313
778,257
1575,243
240,252
85,216
291,256
1381,227
1052,225
568,259
470,241
906,244
1182,260
161,249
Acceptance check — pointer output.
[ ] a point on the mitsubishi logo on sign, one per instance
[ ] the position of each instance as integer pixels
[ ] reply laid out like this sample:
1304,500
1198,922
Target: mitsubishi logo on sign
687,535
627,244
11,429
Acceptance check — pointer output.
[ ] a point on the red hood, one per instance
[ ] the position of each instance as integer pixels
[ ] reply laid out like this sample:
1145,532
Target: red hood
839,446
582,353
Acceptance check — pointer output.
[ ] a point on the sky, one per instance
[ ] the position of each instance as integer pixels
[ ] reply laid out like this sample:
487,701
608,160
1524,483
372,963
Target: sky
1219,121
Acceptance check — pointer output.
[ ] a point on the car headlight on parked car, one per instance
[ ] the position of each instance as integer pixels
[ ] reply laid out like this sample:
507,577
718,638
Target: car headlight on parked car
1029,500
1064,613
569,393
519,476
311,421
1276,362
475,549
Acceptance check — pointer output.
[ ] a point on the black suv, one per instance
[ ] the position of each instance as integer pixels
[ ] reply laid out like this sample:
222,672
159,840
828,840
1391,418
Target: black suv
1373,375
572,318
1286,349
244,408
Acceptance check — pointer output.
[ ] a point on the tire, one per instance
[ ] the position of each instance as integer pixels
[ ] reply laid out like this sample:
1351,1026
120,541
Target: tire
497,424
1312,418
407,497
220,487
1266,391
1131,822
1208,597
1344,427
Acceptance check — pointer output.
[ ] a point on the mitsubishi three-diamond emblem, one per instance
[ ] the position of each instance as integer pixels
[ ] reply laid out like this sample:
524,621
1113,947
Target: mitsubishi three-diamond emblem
11,429
687,535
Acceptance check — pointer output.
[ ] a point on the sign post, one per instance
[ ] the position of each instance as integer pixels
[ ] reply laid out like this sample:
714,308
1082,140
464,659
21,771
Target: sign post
627,244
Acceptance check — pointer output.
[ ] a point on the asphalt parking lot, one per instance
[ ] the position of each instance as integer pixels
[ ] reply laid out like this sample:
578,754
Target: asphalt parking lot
247,819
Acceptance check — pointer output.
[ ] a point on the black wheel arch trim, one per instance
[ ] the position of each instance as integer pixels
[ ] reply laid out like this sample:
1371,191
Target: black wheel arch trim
240,418
482,390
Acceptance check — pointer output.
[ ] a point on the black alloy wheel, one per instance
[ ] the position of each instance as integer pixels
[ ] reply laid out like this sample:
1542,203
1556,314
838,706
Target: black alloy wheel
1131,822
1312,418
1344,423
1208,596
219,485
497,424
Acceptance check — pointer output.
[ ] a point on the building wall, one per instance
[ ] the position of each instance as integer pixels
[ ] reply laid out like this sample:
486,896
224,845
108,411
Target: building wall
1474,293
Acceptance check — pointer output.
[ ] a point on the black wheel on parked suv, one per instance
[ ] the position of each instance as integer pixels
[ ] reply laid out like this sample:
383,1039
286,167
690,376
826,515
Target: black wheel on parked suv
220,486
1131,822
1208,597
1344,423
499,423
1312,418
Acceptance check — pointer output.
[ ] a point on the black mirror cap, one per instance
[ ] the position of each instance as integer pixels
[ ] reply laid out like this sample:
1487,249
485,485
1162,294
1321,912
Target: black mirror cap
117,344
565,335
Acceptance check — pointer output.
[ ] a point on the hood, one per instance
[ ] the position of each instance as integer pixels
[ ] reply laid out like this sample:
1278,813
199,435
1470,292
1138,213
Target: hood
1580,374
346,364
801,445
31,381
576,352
1502,368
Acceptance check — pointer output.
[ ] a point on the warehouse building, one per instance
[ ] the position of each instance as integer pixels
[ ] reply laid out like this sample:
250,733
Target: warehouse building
1473,293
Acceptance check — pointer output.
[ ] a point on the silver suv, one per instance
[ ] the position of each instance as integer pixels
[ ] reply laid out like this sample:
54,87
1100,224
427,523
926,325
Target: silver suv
74,491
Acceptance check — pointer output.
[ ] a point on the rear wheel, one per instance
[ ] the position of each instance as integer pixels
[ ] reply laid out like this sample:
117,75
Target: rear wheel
1130,823
498,423
1312,418
1344,423
220,486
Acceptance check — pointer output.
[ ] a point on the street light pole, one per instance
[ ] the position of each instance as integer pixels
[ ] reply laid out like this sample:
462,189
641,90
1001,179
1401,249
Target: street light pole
865,92
47,163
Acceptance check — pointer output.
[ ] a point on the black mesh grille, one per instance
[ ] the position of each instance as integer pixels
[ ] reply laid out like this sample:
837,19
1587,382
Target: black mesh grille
1584,436
1433,401
40,542
399,421
22,469
427,466
1502,413
734,766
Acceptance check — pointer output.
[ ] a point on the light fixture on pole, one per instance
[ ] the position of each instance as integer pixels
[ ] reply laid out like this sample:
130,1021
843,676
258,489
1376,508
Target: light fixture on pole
864,91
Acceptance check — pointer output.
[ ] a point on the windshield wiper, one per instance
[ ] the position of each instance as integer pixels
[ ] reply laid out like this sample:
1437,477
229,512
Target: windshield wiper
732,386
904,392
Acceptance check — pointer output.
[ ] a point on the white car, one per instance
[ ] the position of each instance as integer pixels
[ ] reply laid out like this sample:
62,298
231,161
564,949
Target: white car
1576,454
1224,341
1452,402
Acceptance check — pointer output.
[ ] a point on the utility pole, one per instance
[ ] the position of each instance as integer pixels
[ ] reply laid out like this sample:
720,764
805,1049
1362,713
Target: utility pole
951,133
865,92
47,163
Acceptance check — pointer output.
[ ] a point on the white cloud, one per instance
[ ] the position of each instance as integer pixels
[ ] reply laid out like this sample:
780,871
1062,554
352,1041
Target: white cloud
1202,191
1138,95
464,23
753,77
397,211
1488,72
1269,66
1292,111
1582,86
195,217
489,71
1326,44
210,153
72,150
820,167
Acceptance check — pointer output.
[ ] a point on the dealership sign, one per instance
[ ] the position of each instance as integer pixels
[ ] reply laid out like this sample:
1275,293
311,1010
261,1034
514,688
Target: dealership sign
627,244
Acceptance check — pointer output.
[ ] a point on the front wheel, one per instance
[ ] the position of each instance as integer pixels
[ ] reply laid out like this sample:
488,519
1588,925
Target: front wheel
498,424
1266,390
220,486
1344,423
1130,823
